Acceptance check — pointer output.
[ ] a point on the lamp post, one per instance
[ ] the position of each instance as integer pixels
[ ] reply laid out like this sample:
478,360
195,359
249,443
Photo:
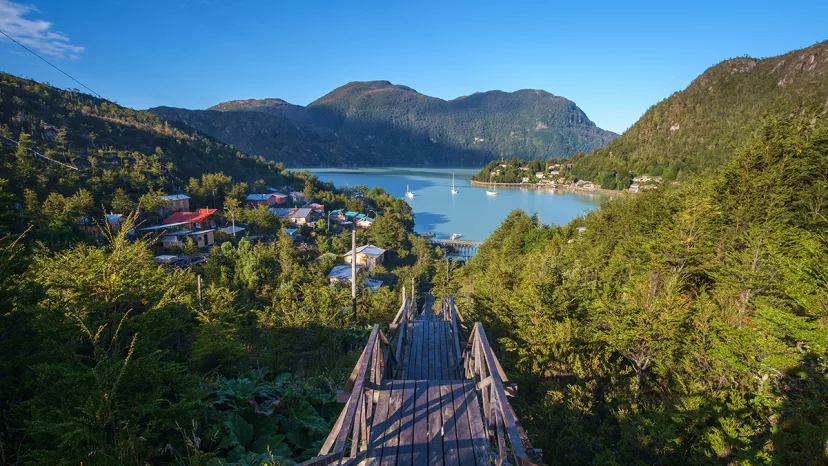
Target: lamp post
233,219
328,225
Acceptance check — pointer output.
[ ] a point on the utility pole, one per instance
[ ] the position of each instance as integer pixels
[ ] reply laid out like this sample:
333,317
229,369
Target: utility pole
353,273
200,305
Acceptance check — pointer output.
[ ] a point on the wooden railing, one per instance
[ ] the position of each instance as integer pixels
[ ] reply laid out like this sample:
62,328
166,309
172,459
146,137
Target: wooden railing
504,430
352,427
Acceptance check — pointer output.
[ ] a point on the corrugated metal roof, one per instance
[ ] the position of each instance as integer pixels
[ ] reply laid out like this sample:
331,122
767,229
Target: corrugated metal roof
281,212
259,197
368,250
304,212
174,197
341,272
166,226
198,216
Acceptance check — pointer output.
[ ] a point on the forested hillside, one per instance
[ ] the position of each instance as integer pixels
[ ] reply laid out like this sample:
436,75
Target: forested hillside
395,125
699,127
107,358
687,325
290,142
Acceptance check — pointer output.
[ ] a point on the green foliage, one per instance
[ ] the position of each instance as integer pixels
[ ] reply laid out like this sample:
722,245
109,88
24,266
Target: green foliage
681,327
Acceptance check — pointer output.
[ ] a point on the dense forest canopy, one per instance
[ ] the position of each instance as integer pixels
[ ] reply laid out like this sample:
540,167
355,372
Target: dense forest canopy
686,325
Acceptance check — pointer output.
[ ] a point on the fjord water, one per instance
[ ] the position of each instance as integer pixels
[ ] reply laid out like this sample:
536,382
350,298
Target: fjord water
470,212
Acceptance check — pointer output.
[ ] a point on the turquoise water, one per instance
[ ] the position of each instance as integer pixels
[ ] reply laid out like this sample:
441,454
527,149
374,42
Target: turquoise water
470,212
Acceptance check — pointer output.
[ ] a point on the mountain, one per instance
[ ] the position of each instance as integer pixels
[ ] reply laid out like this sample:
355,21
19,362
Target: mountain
697,128
391,124
276,138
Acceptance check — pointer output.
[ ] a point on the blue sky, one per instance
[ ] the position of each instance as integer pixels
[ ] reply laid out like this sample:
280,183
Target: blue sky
613,59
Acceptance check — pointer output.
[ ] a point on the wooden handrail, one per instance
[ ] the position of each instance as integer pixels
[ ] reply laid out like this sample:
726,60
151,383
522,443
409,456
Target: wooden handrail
483,367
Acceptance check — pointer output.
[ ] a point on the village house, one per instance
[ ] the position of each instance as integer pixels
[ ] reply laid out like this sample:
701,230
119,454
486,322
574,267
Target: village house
176,202
525,179
301,216
296,216
293,233
281,212
255,200
93,227
635,187
372,284
539,175
365,221
174,235
368,256
337,216
318,208
233,230
342,273
201,219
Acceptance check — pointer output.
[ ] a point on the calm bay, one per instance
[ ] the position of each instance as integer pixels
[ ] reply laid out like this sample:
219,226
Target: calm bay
470,212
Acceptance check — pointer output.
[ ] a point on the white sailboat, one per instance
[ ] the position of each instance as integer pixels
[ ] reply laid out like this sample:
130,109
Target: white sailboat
453,189
492,191
408,193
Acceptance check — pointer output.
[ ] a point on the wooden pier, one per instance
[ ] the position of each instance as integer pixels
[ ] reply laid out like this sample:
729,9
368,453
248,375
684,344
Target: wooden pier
460,248
433,393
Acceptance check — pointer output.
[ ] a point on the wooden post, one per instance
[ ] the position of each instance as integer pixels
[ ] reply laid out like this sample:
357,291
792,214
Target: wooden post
353,273
413,295
200,305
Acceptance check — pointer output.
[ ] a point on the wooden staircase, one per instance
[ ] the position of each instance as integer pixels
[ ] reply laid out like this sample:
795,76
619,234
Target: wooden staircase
433,393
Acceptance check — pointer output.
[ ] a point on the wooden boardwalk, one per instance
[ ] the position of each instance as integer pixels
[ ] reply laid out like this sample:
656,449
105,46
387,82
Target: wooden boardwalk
423,400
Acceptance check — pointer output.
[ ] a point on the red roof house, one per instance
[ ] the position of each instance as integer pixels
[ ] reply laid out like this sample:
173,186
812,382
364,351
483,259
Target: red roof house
198,219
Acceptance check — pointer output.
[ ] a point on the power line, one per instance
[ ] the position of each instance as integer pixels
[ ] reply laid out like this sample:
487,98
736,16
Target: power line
49,63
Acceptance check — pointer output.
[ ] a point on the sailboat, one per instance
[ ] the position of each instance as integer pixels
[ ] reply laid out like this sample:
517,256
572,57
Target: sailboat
492,191
408,193
453,189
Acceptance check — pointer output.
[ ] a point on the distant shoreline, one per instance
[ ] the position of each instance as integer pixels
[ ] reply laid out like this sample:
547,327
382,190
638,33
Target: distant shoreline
564,188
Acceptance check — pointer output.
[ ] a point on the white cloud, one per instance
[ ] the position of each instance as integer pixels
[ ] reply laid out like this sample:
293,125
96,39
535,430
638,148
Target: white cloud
35,34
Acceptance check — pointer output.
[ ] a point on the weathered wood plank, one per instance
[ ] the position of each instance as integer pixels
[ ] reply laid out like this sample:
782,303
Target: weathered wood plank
420,421
422,354
465,446
392,431
435,423
480,442
416,351
406,442
378,428
445,352
438,348
450,456
433,349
